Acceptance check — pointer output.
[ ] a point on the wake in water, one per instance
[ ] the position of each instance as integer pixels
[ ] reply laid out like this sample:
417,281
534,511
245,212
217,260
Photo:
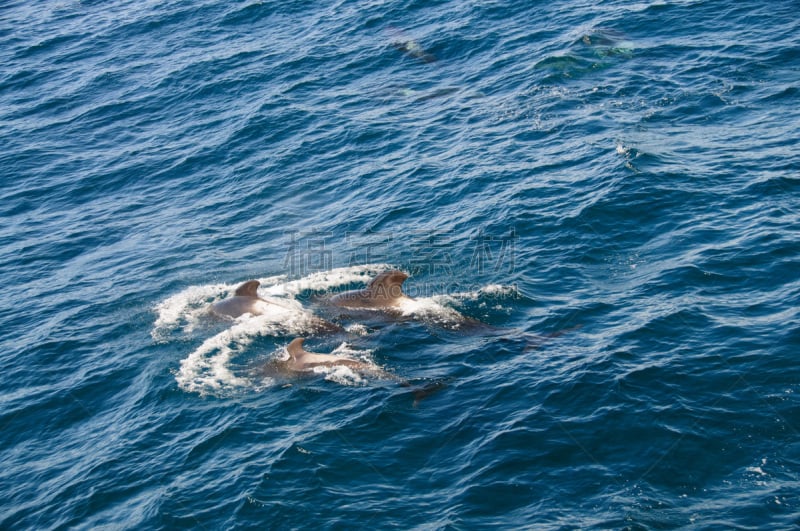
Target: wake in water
209,368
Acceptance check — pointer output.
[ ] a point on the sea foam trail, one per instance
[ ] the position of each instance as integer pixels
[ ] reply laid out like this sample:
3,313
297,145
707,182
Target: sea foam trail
206,369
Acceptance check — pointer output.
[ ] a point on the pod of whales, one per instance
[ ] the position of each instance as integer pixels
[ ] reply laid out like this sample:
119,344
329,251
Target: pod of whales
383,293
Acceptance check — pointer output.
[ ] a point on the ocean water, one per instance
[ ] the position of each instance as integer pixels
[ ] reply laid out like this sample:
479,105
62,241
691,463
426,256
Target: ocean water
597,202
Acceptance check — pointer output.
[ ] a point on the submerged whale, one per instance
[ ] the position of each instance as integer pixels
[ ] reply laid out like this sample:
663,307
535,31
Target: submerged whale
246,300
409,46
413,49
385,291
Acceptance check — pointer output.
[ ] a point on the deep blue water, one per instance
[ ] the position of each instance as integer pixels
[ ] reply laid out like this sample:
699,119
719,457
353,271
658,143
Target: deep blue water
611,186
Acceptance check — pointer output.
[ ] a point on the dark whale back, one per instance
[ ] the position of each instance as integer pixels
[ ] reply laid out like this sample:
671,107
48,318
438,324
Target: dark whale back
383,291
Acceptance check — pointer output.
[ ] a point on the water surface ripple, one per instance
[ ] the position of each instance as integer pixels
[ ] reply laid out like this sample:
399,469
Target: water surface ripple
611,188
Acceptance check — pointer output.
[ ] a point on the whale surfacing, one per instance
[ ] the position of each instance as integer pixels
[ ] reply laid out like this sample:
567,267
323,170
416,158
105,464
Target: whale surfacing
245,300
384,291
301,360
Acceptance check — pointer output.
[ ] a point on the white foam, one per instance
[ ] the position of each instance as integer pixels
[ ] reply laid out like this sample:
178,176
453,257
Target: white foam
345,375
491,290
757,469
500,289
439,309
357,329
341,375
206,370
325,280
430,310
184,309
346,350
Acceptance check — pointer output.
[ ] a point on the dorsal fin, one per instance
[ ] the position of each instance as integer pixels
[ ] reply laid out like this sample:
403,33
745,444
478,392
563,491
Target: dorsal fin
248,289
295,348
388,285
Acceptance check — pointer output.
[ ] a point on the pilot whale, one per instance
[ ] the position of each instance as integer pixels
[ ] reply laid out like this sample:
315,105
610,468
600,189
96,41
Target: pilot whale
385,291
413,48
409,46
246,300
302,360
